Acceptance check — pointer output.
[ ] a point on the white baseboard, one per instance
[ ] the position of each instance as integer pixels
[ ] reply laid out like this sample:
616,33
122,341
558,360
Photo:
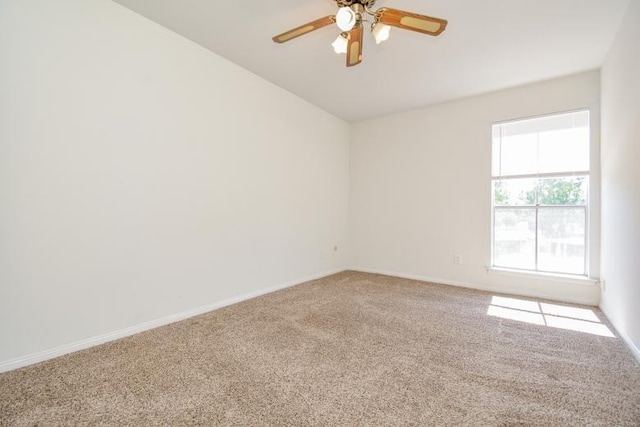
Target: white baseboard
502,290
31,359
41,356
634,350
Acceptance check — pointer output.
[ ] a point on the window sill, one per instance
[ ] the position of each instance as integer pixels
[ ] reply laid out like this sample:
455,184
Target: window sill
565,278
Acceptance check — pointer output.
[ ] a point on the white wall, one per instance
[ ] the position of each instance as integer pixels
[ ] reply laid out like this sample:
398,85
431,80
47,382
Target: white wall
621,179
420,188
142,176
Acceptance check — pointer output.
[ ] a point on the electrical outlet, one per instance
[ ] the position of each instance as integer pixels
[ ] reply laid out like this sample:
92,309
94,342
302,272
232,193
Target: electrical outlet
457,259
603,285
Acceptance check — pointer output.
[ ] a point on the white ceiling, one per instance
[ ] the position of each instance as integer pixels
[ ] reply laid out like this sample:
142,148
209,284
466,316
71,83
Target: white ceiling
488,45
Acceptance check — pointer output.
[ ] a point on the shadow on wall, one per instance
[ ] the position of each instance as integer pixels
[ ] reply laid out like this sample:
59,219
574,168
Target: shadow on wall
552,315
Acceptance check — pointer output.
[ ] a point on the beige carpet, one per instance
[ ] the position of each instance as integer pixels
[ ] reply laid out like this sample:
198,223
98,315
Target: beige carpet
350,349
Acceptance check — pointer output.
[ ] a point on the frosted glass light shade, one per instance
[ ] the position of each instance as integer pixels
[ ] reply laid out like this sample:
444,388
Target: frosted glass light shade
340,44
380,32
345,18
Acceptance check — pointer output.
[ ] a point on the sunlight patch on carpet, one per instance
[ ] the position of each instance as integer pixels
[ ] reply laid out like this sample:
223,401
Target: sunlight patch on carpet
552,315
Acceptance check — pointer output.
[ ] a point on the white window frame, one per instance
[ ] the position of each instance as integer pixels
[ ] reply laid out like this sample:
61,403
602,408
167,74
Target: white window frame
586,174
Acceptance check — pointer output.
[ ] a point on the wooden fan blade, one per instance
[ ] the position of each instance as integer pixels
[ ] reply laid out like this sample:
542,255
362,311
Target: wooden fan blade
304,29
354,46
411,21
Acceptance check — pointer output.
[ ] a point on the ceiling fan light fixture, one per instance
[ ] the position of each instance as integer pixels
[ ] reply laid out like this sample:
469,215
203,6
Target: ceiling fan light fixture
346,18
340,44
380,32
350,18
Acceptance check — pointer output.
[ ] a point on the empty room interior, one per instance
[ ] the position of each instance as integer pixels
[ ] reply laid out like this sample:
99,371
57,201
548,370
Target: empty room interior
319,212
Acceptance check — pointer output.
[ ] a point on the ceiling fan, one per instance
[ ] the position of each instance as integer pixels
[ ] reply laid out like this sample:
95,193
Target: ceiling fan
350,20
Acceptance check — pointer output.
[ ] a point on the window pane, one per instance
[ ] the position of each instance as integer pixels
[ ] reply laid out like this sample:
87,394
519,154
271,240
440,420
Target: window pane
561,240
515,238
564,150
516,192
495,152
563,191
518,155
550,144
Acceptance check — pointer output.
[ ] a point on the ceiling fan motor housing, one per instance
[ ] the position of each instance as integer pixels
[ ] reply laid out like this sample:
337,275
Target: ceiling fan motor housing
347,3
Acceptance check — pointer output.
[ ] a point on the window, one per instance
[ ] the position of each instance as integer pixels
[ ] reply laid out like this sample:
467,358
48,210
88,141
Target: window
540,181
